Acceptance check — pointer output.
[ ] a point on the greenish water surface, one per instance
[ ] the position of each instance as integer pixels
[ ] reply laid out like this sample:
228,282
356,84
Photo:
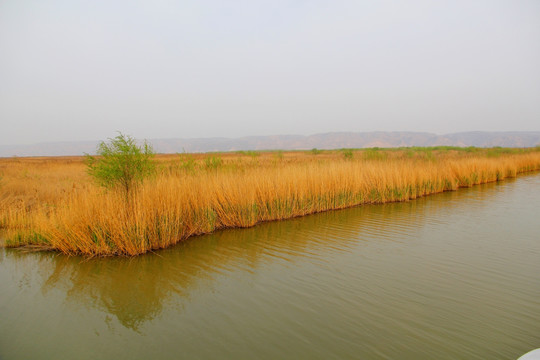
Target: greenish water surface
449,276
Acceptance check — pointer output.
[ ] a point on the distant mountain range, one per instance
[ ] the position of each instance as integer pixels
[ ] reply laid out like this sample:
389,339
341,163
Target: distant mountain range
334,140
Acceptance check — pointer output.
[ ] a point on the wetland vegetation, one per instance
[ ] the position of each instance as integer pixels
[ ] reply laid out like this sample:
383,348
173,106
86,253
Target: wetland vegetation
56,204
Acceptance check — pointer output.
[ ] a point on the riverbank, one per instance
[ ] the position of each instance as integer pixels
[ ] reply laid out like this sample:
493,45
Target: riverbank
51,203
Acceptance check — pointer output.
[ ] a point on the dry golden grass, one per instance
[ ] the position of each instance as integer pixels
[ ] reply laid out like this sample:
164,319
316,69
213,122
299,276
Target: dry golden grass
51,203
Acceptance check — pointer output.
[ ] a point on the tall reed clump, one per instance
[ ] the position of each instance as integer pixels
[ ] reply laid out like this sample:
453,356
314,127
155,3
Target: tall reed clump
175,205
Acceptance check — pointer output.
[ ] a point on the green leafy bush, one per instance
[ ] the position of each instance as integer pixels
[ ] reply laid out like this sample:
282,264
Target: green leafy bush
121,163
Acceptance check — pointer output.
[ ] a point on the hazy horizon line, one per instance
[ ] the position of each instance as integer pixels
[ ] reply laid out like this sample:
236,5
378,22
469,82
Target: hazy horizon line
281,134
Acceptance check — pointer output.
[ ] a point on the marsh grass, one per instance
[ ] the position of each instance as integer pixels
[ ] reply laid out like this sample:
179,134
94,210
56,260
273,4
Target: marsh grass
213,162
51,203
347,153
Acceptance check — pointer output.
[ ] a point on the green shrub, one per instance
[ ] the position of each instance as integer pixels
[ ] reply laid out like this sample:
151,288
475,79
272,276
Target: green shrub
213,162
121,163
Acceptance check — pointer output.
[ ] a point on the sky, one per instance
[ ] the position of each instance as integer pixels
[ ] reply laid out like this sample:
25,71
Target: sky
82,70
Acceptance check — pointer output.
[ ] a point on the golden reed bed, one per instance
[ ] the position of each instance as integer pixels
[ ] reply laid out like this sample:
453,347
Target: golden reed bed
51,203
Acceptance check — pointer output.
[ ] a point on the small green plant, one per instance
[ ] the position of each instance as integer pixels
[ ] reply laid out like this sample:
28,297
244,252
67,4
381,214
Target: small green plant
409,153
347,153
253,153
121,163
279,154
213,162
497,151
187,162
374,154
316,151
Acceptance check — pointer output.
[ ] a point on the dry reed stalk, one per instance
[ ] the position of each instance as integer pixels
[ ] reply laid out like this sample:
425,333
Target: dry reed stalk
241,193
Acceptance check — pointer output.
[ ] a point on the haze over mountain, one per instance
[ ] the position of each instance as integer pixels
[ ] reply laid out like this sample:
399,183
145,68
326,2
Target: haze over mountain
334,140
75,70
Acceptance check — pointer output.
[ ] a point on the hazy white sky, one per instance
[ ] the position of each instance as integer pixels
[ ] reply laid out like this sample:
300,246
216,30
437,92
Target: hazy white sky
80,70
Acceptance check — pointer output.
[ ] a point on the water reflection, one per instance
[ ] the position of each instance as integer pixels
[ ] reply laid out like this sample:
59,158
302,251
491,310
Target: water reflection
135,290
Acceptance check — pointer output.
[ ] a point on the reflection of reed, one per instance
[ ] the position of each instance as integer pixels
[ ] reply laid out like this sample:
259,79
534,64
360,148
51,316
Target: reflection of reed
135,289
